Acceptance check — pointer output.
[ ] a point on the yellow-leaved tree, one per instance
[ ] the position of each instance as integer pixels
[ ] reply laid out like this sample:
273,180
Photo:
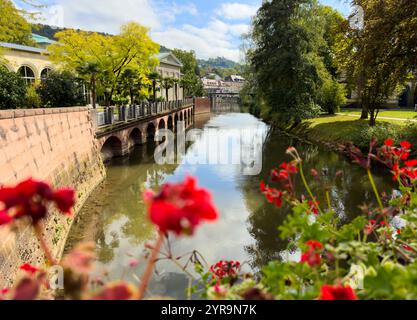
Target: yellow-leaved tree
102,59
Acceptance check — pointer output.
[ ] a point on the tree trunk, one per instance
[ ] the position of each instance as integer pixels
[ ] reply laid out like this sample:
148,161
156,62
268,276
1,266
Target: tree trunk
364,114
93,91
154,90
372,117
132,96
167,93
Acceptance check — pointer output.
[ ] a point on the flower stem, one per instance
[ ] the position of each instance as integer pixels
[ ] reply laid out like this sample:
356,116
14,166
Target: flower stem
308,187
378,198
329,204
146,277
183,269
38,227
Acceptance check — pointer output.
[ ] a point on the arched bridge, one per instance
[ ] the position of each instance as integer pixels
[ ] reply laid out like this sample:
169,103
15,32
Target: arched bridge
119,130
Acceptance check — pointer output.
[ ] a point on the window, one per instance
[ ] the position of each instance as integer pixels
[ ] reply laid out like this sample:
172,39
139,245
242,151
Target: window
27,74
45,73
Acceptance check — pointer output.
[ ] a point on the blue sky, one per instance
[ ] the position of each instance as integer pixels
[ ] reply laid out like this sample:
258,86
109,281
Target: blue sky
211,27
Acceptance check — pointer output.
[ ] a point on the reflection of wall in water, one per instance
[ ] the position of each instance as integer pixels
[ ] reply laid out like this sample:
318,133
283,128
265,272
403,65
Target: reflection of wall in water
225,103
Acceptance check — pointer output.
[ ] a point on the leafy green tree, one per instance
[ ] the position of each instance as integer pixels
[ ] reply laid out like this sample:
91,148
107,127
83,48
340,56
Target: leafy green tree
133,84
155,78
14,27
132,48
167,83
61,89
89,71
287,37
379,55
190,71
12,90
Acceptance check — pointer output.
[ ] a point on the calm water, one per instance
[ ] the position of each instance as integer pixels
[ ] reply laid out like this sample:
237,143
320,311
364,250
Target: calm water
114,216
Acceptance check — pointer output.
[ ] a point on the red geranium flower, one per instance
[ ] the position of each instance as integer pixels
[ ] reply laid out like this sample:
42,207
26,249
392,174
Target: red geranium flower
180,207
312,256
314,244
405,145
224,269
29,268
370,227
338,292
411,163
4,217
30,198
116,292
389,142
64,200
272,195
314,207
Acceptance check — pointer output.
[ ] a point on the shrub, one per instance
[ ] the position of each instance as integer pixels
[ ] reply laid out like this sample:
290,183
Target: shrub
12,90
61,89
381,131
331,96
32,99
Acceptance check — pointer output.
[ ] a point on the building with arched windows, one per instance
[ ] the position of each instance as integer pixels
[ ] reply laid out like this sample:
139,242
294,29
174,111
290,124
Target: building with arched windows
32,63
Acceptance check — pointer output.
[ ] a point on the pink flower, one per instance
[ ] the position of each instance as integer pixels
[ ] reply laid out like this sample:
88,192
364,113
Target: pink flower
133,263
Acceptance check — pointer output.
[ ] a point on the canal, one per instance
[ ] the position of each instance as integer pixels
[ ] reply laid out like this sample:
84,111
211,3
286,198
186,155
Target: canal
114,217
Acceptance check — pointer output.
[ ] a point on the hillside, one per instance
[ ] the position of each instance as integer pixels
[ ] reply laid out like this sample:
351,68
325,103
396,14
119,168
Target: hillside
219,62
49,32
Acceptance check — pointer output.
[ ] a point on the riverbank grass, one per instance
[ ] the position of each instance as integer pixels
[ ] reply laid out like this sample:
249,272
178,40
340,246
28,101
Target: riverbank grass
407,114
343,128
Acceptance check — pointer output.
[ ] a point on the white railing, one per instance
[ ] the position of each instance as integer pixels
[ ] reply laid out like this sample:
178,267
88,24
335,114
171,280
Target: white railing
112,115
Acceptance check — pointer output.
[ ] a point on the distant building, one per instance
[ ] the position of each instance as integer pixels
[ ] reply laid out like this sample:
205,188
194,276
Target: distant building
235,78
232,84
170,67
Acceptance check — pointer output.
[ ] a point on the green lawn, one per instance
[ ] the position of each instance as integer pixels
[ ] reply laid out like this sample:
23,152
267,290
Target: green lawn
401,114
342,128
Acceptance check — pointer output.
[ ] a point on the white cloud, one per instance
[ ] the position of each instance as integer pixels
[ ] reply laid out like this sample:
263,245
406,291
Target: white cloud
237,11
216,38
213,40
104,15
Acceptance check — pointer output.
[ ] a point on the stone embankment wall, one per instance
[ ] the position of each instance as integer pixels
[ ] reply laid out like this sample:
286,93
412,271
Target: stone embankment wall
56,145
202,105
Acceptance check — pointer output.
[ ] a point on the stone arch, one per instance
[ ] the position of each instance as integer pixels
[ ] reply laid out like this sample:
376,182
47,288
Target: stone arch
7,66
181,116
135,138
111,148
170,123
150,132
161,124
185,118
